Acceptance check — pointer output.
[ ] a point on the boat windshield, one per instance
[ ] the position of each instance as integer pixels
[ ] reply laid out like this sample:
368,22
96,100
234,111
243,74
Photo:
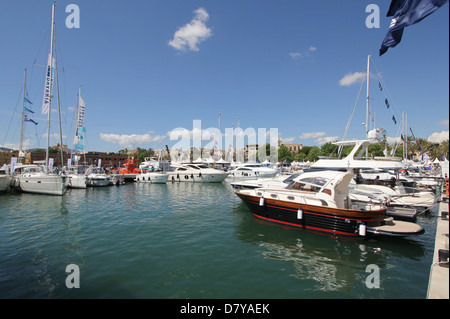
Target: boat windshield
310,184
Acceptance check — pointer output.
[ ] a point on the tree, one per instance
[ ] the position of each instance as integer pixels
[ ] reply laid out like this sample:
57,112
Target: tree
329,149
313,154
284,154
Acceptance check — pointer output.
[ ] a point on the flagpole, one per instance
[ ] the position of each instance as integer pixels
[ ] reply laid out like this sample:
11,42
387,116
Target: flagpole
22,118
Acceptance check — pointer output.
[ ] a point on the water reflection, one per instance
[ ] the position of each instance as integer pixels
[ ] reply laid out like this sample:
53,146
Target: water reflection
44,232
328,263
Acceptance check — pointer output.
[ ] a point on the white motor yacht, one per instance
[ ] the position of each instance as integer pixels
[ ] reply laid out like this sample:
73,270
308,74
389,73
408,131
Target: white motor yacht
150,175
252,171
199,173
77,178
96,177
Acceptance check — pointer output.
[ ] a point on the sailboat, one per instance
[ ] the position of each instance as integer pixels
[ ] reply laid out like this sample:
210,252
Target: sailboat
36,178
356,159
77,178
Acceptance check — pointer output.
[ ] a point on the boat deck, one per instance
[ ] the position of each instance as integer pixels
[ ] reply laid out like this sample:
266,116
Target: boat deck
402,213
438,285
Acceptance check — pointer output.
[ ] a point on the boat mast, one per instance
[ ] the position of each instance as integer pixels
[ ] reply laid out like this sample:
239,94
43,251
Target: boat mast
367,103
59,114
51,76
22,118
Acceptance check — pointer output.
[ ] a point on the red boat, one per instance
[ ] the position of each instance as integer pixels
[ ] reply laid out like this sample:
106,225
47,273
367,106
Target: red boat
129,167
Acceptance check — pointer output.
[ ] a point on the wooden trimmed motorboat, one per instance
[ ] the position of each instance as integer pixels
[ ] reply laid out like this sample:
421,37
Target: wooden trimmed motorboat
319,201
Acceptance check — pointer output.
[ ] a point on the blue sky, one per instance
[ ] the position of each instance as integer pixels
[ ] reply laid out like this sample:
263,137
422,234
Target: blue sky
149,67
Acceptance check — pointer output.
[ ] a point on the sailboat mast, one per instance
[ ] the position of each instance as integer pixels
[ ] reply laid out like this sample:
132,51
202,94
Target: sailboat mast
22,118
367,102
51,76
59,115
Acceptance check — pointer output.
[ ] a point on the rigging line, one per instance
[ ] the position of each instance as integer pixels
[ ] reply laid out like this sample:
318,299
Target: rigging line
351,118
13,115
387,90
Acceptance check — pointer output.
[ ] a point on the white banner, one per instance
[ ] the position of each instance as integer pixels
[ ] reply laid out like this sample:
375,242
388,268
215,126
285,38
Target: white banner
13,164
48,86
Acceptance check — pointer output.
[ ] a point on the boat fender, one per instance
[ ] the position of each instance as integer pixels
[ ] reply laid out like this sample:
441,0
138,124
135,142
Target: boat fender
362,229
300,214
261,201
192,176
178,176
199,174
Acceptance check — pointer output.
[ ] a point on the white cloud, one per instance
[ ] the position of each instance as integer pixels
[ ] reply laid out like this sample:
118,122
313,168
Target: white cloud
295,55
443,122
352,78
319,137
306,136
132,139
288,139
438,137
302,53
326,139
194,32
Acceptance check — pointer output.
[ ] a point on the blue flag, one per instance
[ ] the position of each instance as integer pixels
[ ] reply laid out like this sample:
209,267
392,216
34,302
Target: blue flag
406,13
27,119
28,110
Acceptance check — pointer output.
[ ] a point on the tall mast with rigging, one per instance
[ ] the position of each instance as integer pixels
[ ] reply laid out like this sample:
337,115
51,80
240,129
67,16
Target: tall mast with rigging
50,77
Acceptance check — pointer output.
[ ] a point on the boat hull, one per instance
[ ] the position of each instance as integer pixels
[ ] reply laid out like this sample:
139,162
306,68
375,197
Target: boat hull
197,177
153,178
317,218
77,181
97,182
5,183
43,184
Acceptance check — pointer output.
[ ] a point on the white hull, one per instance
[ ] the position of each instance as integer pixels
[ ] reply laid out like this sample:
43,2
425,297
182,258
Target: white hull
154,178
5,182
77,181
98,181
43,184
241,175
196,177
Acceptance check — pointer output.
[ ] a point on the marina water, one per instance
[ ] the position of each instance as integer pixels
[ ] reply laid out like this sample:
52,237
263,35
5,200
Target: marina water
191,240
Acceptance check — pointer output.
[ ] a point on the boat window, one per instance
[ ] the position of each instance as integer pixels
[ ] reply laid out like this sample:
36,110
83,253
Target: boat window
193,166
181,169
203,166
299,185
290,178
314,181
